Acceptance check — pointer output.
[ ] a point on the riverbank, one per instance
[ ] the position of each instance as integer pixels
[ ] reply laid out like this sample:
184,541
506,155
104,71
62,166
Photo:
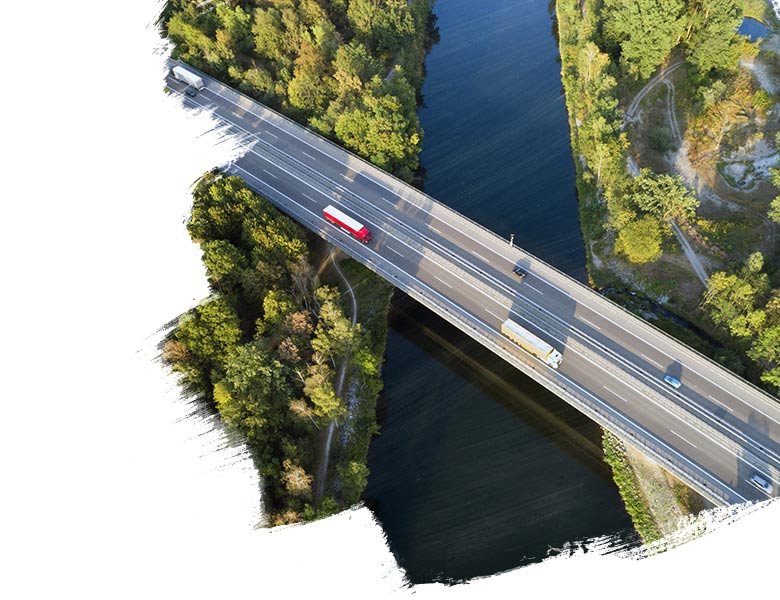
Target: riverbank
271,370
603,154
263,350
347,474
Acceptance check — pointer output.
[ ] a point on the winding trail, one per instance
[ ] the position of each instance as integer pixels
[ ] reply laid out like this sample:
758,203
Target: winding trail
324,458
631,111
631,117
683,167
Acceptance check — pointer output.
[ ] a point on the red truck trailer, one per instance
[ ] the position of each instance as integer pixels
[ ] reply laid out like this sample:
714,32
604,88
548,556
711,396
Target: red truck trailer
347,223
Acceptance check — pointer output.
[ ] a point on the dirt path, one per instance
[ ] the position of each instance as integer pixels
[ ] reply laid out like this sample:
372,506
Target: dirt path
698,268
324,456
682,166
631,112
631,116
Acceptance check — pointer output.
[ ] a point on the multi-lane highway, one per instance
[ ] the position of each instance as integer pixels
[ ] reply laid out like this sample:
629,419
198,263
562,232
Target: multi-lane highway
715,432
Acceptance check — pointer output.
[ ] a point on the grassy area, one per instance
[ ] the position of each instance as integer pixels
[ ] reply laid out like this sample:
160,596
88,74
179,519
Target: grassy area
628,486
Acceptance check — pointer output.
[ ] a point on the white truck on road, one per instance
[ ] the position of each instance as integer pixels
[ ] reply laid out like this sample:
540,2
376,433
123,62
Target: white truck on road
531,344
187,77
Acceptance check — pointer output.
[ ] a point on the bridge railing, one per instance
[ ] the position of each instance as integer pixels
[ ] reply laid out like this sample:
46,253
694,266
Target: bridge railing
379,174
602,415
606,418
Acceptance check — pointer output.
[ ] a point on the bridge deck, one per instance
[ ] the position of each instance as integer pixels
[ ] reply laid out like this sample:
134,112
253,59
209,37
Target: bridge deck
714,432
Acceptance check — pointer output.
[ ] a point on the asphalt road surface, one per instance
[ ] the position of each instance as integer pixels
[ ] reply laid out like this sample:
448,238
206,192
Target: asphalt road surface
715,432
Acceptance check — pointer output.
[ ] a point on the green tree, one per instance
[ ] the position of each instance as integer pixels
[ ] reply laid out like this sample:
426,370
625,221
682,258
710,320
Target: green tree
645,30
712,41
235,34
318,387
210,332
254,395
774,206
218,209
731,299
640,240
309,87
354,477
277,305
224,264
353,67
663,196
380,129
765,348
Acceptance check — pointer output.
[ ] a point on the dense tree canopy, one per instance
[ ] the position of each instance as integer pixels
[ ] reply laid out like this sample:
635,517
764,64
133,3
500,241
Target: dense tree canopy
743,304
663,196
645,30
269,342
712,42
324,62
640,240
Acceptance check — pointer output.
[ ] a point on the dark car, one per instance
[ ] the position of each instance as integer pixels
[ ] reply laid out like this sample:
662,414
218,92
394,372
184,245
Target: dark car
190,92
521,273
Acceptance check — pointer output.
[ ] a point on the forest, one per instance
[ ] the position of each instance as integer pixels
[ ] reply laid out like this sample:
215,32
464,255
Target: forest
609,49
349,69
264,347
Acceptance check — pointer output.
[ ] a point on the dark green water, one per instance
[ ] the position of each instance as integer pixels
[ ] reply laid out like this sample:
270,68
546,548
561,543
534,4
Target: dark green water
479,470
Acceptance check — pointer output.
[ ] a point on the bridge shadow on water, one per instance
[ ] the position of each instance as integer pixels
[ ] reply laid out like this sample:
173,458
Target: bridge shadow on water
478,469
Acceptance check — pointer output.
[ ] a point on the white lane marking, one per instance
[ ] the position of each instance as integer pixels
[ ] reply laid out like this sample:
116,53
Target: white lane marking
592,324
688,366
651,361
528,285
480,256
728,408
483,245
432,227
305,195
273,135
760,489
615,393
394,250
309,155
269,173
347,176
486,326
444,282
682,438
490,312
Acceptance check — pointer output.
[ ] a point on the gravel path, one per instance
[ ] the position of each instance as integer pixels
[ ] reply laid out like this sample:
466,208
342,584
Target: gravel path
324,459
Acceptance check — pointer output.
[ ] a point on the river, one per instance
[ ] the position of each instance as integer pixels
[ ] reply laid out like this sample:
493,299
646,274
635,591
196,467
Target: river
478,469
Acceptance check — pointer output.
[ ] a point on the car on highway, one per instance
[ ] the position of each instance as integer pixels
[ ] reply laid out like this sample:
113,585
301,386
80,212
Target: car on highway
520,272
190,92
761,483
674,382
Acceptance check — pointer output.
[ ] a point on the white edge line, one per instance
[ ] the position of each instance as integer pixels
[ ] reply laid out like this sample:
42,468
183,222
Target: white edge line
682,438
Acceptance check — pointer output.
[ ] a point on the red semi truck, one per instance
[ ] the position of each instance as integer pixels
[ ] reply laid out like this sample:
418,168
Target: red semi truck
347,223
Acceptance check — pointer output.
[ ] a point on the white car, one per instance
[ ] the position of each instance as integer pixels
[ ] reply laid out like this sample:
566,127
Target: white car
761,483
675,383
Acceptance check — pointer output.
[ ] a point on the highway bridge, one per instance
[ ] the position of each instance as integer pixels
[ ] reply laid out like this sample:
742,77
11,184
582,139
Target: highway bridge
716,432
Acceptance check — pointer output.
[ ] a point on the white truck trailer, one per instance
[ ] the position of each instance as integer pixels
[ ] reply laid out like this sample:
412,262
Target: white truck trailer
531,344
187,77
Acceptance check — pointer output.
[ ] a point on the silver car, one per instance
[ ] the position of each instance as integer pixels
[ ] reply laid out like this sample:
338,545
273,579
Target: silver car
675,383
761,483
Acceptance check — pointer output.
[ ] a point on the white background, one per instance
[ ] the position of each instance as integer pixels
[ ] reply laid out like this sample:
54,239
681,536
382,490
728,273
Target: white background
108,491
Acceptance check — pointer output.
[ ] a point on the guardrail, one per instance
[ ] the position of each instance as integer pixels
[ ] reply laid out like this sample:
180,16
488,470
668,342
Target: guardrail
604,415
